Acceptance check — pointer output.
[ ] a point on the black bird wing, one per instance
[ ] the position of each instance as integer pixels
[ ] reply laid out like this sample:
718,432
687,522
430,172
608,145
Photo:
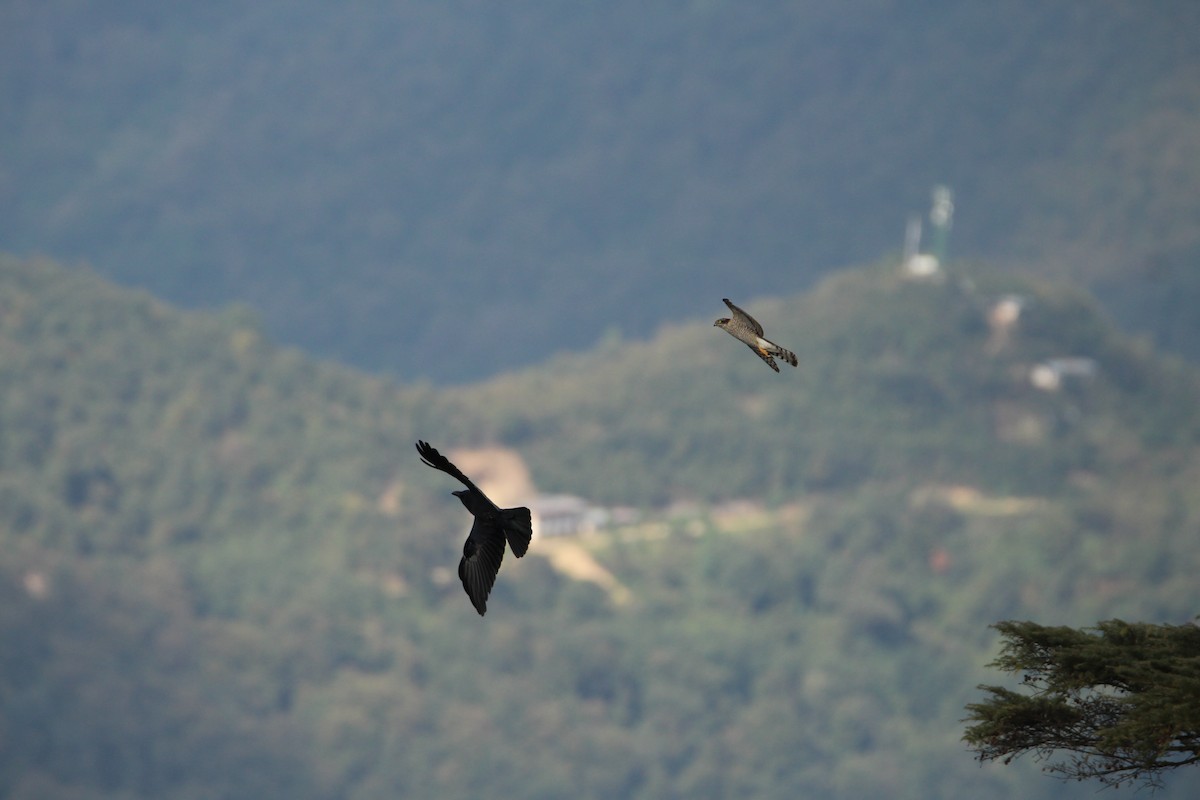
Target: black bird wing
743,316
432,458
482,553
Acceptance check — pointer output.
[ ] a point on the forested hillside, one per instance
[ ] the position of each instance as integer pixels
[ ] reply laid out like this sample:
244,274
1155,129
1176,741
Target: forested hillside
224,571
899,380
381,178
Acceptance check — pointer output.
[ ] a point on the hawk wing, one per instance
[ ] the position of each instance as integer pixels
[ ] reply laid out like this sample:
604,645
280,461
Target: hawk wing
482,554
432,458
742,316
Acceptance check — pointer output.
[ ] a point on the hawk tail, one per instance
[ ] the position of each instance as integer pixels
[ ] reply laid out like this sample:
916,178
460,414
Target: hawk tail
784,353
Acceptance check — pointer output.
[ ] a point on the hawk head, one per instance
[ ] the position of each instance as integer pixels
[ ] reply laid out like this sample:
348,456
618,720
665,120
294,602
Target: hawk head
722,322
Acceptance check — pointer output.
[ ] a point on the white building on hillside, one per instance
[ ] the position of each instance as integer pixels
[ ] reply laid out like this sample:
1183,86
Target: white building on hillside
565,515
1050,374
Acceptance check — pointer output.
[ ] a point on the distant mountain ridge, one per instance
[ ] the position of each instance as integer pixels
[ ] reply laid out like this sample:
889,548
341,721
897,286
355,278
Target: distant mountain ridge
382,180
897,377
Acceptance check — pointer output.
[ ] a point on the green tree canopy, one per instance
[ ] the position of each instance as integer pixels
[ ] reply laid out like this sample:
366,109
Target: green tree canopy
1118,702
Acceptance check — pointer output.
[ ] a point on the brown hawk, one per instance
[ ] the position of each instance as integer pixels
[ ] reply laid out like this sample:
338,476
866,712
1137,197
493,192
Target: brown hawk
745,328
484,549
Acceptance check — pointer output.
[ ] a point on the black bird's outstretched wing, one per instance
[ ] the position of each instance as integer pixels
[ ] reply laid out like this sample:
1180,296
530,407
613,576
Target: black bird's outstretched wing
432,458
742,315
482,553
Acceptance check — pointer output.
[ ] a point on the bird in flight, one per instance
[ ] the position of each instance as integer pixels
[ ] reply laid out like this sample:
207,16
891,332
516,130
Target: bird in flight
484,548
745,328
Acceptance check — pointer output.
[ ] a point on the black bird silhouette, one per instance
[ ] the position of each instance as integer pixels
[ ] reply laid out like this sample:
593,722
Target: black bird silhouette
484,548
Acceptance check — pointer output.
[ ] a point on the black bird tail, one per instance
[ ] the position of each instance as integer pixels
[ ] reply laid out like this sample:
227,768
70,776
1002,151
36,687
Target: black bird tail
518,529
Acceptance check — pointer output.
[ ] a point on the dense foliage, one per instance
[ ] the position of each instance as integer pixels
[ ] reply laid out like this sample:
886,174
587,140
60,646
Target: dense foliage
224,572
382,178
1119,704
